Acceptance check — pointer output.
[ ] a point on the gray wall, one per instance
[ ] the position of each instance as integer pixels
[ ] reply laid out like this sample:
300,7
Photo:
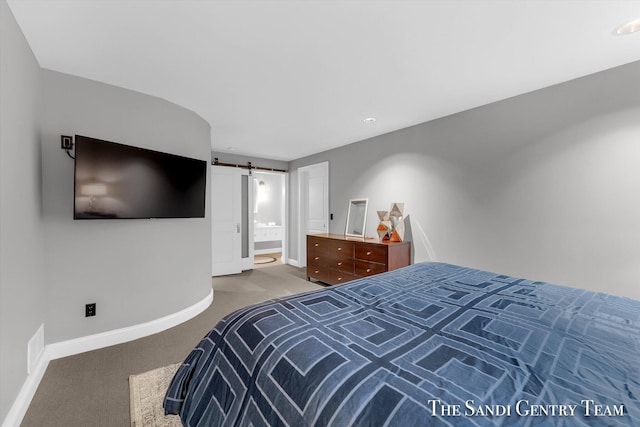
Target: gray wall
544,185
22,283
135,270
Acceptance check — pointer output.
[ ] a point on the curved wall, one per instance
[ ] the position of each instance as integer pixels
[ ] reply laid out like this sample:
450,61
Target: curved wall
21,231
134,270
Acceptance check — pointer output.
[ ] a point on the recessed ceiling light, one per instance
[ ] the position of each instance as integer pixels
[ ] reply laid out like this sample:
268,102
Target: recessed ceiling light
629,27
370,120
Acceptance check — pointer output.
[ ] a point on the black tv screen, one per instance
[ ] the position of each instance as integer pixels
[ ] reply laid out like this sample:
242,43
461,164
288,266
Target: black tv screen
119,181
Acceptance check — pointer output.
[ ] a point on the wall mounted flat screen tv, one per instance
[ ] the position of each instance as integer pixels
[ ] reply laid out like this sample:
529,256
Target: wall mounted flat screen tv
117,181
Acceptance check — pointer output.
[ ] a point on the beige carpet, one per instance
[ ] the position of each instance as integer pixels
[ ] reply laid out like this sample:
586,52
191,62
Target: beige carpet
92,388
147,392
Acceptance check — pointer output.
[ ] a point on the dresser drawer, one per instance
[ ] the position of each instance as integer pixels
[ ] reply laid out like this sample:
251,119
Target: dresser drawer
340,264
371,253
316,246
364,268
317,259
340,249
318,273
344,264
336,277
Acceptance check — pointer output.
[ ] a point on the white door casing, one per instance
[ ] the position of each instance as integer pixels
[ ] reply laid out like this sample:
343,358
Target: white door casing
313,187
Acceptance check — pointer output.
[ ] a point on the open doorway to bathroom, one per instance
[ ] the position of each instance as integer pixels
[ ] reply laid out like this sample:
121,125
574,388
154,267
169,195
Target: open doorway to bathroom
269,218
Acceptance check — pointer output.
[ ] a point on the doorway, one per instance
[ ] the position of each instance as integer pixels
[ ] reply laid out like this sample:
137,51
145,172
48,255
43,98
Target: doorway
269,218
248,218
313,208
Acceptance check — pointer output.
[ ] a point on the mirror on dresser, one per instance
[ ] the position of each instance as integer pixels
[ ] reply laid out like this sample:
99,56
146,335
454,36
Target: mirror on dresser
356,218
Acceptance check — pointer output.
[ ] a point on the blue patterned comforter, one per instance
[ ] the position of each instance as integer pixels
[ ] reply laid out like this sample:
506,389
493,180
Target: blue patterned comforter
429,344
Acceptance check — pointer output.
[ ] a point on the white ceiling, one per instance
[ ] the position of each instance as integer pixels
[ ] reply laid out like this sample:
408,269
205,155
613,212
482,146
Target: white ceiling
285,79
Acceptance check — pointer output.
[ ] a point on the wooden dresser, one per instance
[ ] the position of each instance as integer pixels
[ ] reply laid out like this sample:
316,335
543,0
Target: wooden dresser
333,258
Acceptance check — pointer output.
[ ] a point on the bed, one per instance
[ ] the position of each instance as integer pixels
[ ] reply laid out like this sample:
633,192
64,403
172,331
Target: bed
429,344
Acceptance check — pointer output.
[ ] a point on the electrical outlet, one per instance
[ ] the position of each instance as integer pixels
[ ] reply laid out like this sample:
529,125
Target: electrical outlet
90,310
66,142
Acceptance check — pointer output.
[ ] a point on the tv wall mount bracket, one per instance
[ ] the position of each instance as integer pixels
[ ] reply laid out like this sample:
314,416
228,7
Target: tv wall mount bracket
66,143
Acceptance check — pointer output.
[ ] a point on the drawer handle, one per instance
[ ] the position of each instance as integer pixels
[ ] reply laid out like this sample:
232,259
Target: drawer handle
369,253
368,270
339,263
317,244
317,258
339,279
317,271
339,249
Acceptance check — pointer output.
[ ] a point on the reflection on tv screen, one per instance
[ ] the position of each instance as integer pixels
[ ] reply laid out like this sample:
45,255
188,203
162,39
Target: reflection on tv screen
120,181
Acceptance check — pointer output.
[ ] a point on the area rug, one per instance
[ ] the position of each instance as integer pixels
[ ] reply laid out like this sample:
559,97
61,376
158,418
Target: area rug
263,259
147,392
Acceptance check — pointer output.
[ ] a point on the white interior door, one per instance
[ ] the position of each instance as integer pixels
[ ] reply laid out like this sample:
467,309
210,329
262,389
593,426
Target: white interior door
226,217
314,204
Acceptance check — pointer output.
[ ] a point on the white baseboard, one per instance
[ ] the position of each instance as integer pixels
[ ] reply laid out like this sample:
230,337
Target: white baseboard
35,349
93,342
26,393
130,333
293,262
